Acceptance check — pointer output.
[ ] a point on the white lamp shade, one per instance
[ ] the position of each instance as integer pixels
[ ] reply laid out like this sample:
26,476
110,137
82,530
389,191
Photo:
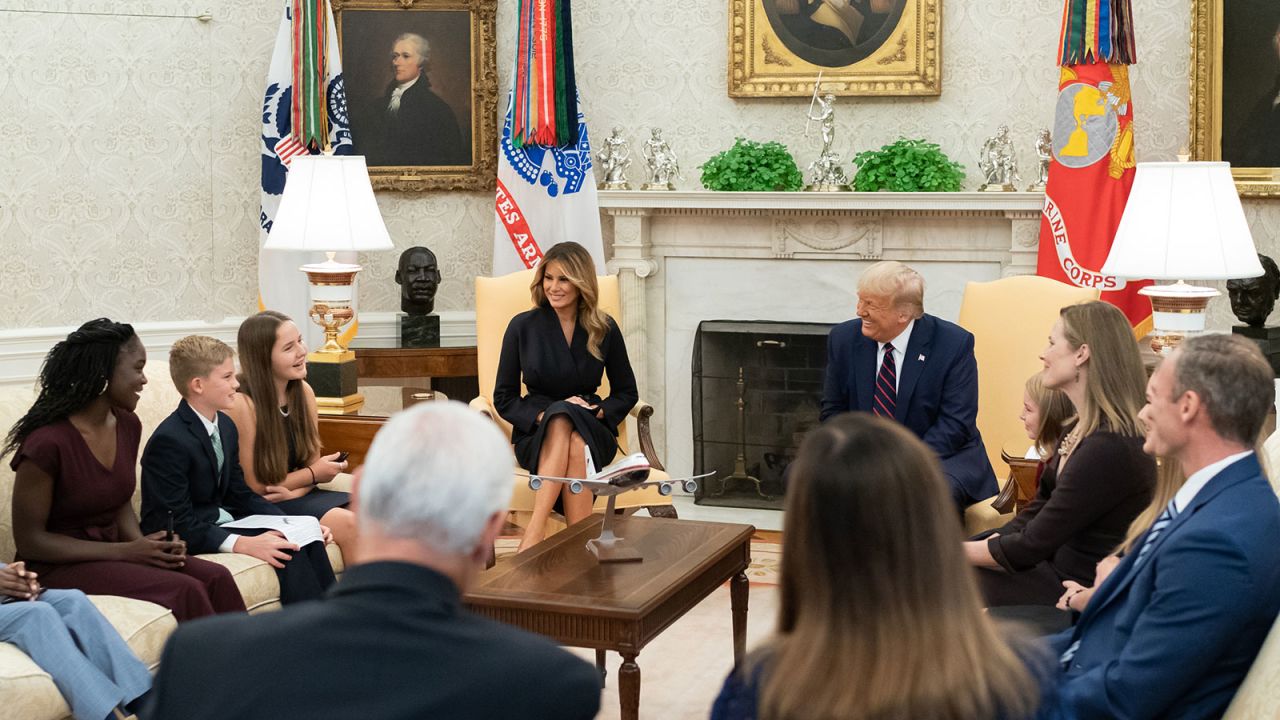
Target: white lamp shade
1183,221
328,206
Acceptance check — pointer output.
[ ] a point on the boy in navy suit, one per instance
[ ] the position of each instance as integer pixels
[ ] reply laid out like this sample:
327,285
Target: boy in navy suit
191,473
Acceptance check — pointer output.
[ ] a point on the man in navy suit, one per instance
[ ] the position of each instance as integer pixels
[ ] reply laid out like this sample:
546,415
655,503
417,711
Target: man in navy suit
1173,629
929,382
191,472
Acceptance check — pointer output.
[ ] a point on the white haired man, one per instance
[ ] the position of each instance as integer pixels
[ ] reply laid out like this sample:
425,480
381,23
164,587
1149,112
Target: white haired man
897,362
417,126
391,640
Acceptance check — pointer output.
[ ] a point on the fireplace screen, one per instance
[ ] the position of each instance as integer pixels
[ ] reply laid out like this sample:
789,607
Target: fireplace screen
756,390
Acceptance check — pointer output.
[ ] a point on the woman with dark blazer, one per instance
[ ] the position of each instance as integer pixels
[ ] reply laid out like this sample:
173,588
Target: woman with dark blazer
561,349
1097,481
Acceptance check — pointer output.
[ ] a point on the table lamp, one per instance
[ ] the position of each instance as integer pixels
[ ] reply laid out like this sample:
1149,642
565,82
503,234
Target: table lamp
328,206
1183,221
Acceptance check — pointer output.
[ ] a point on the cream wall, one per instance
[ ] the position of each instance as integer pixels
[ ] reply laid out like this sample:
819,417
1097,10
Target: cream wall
129,145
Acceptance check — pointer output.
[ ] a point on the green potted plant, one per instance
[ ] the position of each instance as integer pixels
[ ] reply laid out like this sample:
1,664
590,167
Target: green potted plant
750,165
907,166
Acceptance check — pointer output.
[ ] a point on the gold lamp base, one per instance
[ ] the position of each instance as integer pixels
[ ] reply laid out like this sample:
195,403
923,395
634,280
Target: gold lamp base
331,370
1177,312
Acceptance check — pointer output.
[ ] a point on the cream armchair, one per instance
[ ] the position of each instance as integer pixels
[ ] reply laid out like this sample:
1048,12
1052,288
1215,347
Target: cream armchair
499,299
1010,320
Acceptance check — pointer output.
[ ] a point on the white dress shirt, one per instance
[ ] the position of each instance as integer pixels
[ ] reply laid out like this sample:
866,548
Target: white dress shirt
1201,477
899,353
393,105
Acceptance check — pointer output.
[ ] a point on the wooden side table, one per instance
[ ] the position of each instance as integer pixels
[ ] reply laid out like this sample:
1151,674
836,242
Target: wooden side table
558,589
450,367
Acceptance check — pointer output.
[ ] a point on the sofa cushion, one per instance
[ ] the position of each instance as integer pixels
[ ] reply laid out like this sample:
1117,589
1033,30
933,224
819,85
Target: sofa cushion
256,579
144,626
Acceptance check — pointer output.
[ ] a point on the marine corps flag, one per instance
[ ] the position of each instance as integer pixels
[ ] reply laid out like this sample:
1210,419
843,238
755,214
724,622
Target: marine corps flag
546,191
1092,167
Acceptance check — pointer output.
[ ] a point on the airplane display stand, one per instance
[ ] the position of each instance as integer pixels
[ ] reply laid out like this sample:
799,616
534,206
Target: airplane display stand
609,548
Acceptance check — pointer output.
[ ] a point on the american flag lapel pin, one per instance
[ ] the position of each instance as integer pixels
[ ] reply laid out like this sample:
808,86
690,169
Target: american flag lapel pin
921,358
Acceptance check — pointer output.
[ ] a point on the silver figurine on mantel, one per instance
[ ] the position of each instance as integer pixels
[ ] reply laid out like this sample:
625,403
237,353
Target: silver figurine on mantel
1044,153
825,171
615,158
663,165
998,163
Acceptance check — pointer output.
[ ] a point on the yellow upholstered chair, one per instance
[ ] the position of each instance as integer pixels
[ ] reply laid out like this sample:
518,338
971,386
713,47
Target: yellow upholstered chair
498,299
1010,320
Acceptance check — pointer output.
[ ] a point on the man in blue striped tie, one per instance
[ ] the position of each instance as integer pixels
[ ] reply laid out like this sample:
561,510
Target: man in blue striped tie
1172,631
897,362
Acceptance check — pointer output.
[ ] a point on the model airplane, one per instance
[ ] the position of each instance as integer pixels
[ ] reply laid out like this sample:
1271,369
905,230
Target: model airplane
629,473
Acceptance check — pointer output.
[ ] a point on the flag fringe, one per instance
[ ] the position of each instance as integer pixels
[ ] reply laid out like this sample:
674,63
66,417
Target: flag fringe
1097,31
545,113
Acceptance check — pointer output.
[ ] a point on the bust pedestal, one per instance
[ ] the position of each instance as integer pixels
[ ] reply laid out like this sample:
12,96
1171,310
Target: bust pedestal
1268,339
419,331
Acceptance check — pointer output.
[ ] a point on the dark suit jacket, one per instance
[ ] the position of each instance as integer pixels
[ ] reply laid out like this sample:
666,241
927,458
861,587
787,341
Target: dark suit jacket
1079,516
391,641
937,395
1175,637
179,474
424,131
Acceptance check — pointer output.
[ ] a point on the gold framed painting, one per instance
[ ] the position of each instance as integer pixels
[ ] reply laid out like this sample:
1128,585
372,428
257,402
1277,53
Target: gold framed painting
422,91
861,47
1235,90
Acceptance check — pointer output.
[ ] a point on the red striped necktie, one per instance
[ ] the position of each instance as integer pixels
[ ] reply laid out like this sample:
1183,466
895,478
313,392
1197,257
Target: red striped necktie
886,395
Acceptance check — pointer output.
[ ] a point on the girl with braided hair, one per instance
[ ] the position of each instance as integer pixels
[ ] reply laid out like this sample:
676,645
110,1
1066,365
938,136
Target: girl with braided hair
75,456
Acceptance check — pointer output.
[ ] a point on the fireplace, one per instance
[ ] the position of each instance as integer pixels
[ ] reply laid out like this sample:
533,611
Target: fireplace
756,390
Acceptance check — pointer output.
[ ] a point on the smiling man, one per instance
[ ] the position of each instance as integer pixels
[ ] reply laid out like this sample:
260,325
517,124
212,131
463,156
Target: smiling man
418,126
897,362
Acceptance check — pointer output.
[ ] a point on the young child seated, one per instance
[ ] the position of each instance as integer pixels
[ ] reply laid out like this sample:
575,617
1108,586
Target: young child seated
191,473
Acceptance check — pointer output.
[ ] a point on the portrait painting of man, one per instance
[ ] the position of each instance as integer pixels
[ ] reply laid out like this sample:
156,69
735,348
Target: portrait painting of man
1251,83
409,86
833,33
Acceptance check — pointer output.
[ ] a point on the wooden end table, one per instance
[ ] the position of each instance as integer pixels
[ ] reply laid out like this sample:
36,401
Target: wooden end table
558,589
450,367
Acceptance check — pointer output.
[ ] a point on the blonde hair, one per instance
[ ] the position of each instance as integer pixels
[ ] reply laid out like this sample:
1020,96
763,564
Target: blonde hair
879,613
1117,381
577,265
195,356
1055,410
256,339
898,281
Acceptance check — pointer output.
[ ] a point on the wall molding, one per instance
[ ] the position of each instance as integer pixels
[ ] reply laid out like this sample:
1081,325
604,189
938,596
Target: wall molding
23,349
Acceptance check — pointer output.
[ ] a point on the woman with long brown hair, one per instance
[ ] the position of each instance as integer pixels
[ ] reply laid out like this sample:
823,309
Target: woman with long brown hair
879,616
275,414
1096,482
560,350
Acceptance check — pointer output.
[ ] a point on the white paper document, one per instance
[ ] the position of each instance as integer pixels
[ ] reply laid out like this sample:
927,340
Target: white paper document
297,529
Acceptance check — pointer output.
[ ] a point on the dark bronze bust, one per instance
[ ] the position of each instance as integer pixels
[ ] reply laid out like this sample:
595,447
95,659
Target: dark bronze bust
418,277
1253,299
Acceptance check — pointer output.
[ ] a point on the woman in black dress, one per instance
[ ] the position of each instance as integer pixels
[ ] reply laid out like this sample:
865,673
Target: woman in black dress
275,414
560,349
1097,481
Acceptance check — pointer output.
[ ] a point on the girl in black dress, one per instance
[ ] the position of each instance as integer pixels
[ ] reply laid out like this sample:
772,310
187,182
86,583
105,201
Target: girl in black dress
561,349
279,426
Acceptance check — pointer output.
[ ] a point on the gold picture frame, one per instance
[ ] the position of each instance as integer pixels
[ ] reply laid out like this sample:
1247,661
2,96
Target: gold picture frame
442,134
778,47
1211,72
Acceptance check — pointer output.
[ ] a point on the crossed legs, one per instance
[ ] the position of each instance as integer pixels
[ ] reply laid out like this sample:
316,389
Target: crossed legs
562,455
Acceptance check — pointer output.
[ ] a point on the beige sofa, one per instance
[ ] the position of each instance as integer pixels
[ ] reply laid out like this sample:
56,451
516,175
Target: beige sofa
26,691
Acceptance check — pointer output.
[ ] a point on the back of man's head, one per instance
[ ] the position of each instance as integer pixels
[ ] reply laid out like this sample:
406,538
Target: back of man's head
435,474
1233,380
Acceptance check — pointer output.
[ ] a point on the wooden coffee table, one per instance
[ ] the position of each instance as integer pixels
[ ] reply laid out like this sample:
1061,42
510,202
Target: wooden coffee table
558,589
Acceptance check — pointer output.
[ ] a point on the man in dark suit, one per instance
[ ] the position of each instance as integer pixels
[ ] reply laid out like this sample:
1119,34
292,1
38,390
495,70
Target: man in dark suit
1173,629
416,126
191,472
392,640
929,382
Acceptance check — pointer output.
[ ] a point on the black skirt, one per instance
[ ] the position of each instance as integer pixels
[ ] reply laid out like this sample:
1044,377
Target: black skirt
599,440
315,503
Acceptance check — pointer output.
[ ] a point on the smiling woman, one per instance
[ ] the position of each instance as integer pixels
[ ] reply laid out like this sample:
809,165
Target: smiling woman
75,454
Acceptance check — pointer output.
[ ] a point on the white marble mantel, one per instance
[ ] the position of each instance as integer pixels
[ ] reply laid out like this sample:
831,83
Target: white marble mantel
687,256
